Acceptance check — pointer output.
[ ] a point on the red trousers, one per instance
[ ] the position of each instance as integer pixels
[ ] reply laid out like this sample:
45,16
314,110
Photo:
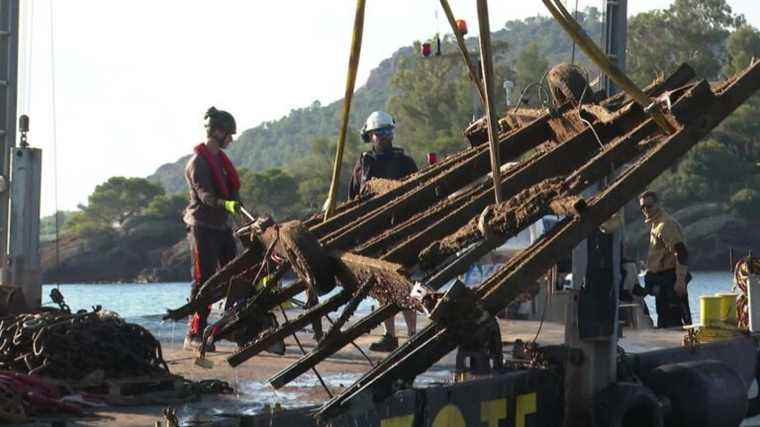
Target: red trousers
210,250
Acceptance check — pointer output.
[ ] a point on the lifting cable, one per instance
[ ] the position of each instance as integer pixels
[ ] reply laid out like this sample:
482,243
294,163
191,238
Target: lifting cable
54,139
572,54
600,59
27,43
353,65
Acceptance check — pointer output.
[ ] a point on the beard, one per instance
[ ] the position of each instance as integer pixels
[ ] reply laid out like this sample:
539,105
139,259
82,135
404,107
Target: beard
651,213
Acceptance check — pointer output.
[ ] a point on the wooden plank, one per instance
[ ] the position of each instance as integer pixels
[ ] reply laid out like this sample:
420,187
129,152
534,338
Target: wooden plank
680,77
256,308
392,284
561,160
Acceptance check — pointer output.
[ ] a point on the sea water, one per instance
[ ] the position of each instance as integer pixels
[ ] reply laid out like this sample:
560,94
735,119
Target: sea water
146,303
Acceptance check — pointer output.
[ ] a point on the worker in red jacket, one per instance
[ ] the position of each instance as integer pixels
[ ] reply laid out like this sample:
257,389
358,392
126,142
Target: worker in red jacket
214,185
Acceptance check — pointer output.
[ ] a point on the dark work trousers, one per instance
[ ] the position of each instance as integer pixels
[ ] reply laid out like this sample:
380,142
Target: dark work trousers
210,250
672,310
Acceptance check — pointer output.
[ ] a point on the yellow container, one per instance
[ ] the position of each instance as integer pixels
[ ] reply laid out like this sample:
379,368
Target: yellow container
728,309
710,310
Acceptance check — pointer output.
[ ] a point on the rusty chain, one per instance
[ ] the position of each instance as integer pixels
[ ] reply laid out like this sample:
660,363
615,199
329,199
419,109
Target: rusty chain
69,346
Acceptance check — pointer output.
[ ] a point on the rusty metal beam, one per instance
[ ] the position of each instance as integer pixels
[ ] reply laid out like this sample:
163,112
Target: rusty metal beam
391,285
289,328
359,222
436,341
621,150
329,347
420,198
628,117
356,209
212,291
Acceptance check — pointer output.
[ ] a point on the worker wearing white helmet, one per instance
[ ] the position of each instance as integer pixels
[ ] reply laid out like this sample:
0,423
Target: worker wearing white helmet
388,162
383,160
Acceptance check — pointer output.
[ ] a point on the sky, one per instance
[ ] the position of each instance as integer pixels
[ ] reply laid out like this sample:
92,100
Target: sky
133,78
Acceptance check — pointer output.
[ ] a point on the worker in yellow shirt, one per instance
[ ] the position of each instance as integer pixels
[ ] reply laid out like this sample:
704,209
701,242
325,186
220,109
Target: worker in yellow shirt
667,264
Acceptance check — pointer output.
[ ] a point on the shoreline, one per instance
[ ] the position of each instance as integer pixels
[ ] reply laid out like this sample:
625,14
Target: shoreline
189,281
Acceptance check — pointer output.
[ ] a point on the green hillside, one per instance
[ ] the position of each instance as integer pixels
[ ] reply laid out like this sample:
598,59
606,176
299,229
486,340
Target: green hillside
280,142
131,228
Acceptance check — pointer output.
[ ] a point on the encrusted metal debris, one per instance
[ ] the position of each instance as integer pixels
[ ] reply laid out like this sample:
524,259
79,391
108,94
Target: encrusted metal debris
442,219
58,344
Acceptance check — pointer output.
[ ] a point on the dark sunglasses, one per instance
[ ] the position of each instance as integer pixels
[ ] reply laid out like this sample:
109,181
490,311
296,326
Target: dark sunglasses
383,132
647,206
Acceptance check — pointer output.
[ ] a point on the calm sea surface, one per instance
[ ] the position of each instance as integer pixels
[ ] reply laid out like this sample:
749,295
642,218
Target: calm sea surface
145,303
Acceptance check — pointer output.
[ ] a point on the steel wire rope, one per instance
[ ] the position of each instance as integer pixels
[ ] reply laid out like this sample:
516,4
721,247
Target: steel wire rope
580,104
27,42
572,54
54,140
552,278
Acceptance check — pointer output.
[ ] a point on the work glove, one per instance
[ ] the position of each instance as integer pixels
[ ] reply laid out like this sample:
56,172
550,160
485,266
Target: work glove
232,206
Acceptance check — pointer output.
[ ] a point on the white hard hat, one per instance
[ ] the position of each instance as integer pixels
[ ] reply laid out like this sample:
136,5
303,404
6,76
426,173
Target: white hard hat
377,120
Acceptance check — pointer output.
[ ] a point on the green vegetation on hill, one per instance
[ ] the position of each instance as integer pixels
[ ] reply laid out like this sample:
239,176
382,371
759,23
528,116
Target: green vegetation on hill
285,164
725,168
284,143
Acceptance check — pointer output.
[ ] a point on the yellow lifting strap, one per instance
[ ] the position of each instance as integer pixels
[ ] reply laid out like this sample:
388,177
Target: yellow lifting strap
353,65
600,59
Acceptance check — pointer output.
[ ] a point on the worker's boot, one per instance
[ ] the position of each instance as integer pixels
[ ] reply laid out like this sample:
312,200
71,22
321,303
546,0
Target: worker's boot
194,343
386,344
